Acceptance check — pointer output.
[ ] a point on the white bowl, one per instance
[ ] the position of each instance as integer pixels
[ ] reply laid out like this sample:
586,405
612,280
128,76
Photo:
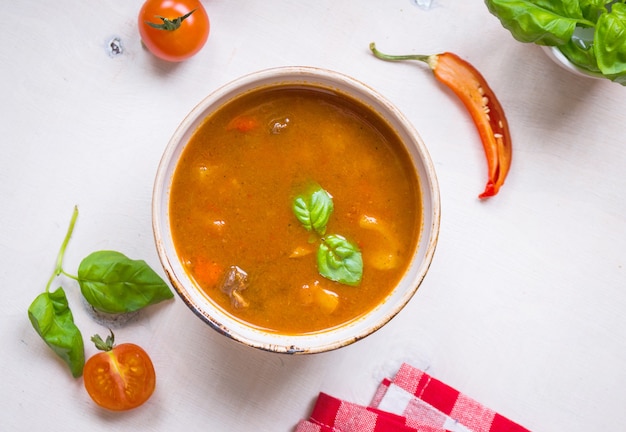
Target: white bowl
321,341
559,58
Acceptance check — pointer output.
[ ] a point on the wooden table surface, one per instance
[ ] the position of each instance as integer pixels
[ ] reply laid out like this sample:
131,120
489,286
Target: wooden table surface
522,309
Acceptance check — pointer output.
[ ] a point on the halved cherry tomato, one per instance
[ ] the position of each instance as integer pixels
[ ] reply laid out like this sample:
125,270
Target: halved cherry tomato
173,30
121,377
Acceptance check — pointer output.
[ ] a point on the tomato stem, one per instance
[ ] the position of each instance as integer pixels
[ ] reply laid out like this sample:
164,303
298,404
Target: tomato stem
169,24
104,345
58,268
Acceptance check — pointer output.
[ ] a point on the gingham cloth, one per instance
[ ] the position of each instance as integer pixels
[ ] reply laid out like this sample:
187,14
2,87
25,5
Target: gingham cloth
412,402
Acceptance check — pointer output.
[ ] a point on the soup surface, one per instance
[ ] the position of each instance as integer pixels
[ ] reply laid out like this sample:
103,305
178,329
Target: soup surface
232,217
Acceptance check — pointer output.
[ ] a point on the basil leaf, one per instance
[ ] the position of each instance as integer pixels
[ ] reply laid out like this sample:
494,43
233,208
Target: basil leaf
619,78
339,260
592,9
544,22
52,318
314,210
114,283
610,40
584,58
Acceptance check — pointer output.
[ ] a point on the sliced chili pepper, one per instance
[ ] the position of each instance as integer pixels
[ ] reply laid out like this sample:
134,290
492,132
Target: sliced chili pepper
481,102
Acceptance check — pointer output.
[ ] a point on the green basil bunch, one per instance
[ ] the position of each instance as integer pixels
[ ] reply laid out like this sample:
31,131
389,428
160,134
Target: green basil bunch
558,23
109,281
337,258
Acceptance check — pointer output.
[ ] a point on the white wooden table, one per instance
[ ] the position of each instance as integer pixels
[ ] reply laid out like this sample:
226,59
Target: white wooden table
523,308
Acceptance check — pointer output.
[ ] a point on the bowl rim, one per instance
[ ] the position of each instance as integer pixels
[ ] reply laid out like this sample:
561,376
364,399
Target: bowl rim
555,54
344,334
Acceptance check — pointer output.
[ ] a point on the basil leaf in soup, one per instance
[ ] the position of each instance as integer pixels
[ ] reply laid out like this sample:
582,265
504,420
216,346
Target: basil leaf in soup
52,318
314,210
339,260
114,283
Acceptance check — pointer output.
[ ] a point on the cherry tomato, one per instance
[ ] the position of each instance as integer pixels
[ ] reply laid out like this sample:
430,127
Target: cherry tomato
173,30
121,377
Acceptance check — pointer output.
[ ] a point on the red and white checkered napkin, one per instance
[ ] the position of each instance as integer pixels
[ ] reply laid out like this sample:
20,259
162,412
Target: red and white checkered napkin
412,402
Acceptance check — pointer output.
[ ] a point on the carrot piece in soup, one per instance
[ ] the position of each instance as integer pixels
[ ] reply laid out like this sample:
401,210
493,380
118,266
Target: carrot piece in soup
207,273
243,123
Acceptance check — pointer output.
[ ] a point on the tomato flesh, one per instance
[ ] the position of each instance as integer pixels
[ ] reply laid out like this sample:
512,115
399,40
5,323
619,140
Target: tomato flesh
174,45
120,379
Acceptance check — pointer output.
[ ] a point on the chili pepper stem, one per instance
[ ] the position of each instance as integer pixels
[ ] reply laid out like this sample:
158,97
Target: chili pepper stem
431,60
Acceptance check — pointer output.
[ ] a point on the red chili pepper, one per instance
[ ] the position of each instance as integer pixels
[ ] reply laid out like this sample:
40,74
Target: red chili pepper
481,102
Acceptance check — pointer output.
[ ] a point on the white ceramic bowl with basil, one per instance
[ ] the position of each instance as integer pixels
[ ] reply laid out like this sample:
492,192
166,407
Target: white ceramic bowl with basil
427,230
584,37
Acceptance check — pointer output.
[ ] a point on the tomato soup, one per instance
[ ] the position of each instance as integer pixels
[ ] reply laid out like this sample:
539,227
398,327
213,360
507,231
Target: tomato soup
232,216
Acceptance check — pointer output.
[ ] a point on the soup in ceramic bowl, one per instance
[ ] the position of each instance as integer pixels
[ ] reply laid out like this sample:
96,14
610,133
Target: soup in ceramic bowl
295,210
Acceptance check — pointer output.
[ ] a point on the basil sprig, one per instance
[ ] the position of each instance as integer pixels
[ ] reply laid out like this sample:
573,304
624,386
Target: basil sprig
337,258
554,23
109,281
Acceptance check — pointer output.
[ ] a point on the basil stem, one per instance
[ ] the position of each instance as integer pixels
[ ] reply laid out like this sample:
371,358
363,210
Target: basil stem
58,268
